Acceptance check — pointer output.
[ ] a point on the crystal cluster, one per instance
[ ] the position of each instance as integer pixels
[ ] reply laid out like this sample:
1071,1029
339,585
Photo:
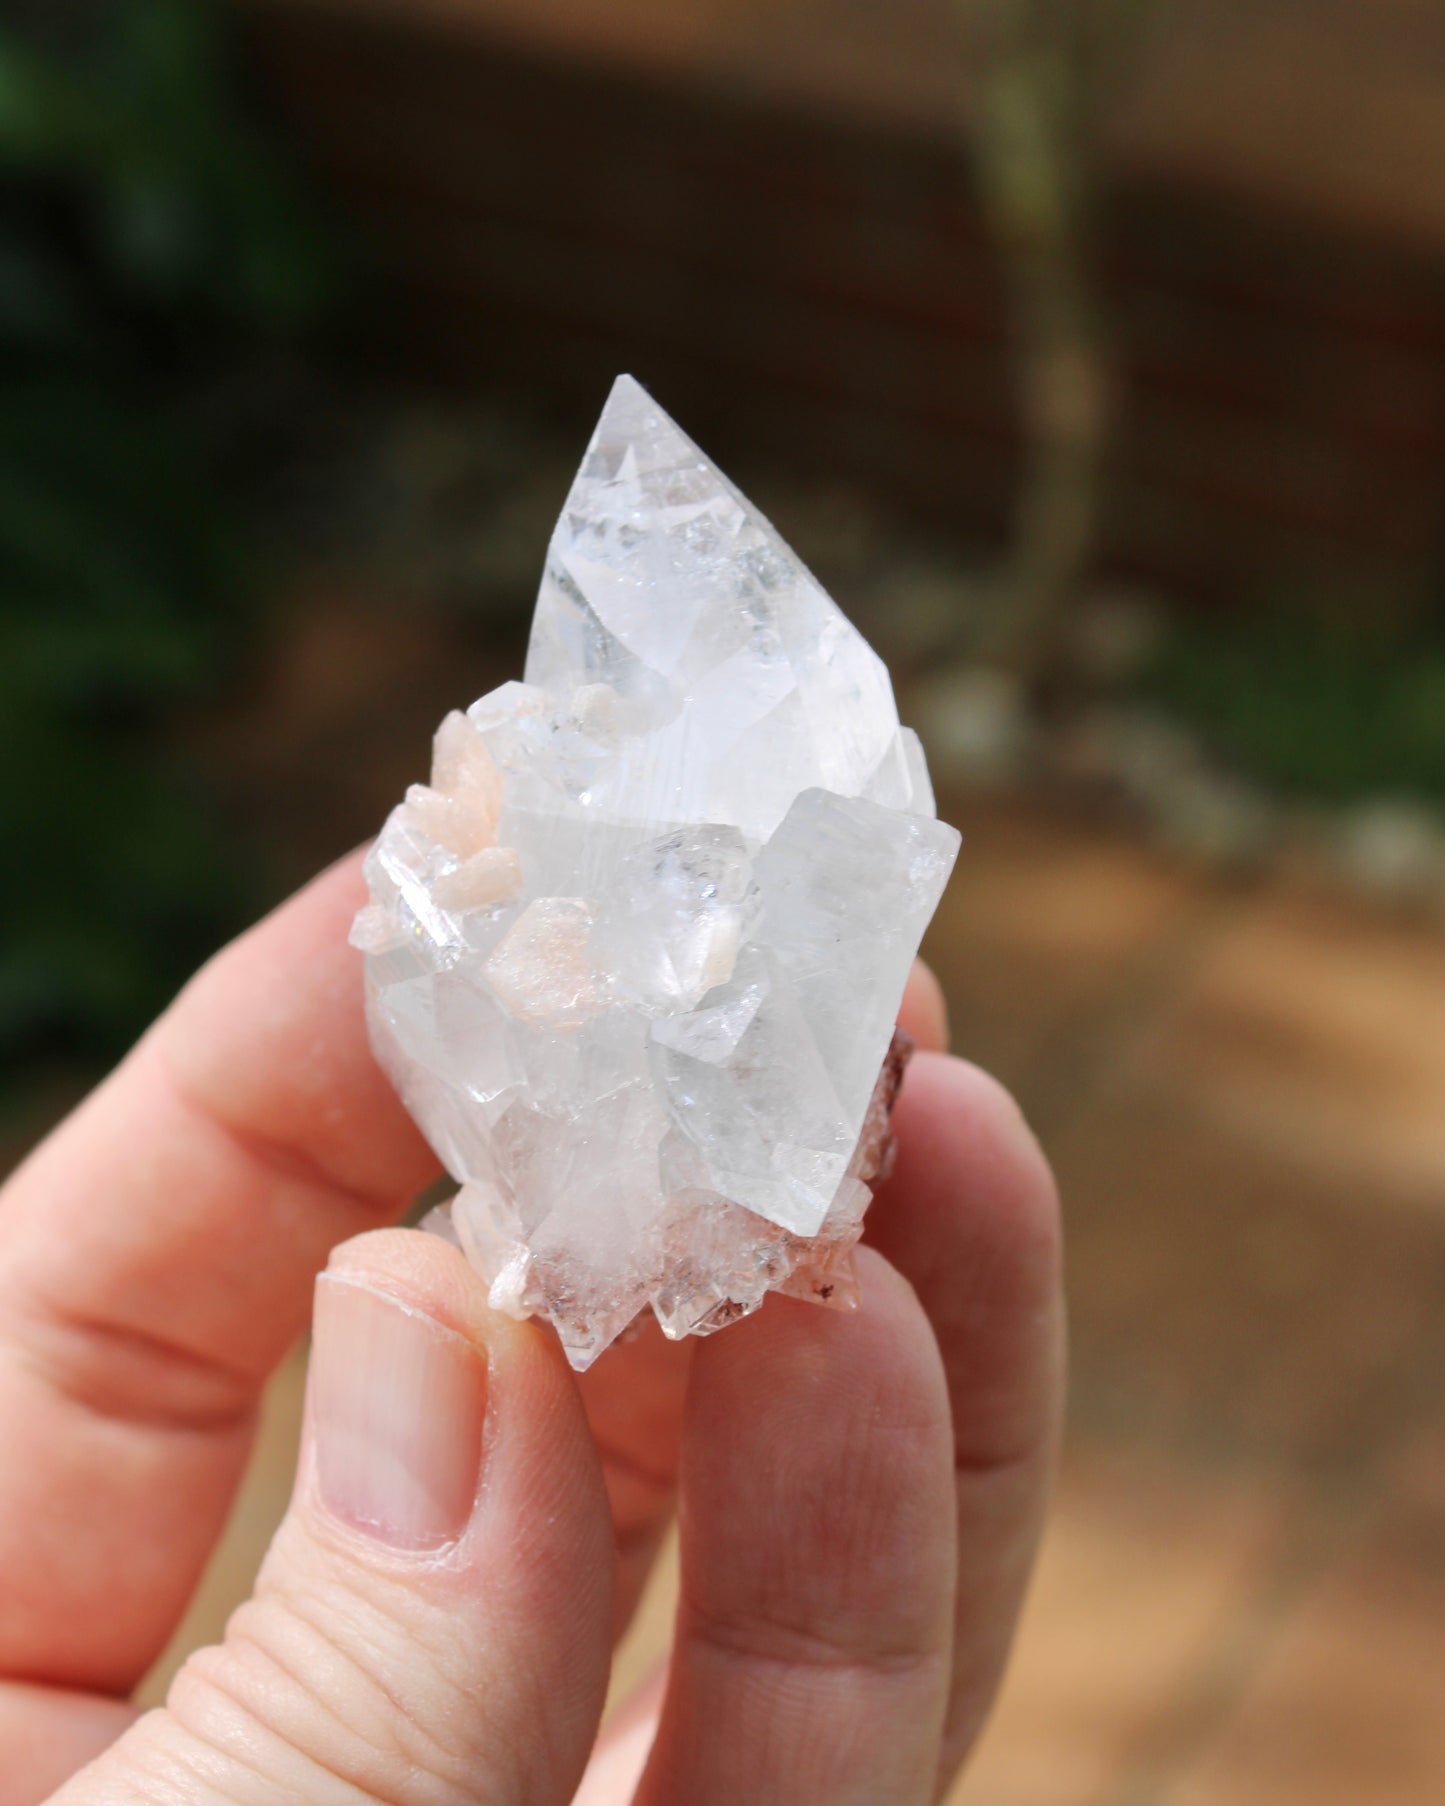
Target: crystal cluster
634,954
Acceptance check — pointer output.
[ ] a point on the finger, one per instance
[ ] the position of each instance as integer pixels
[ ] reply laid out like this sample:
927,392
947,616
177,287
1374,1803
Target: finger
970,1217
924,1011
46,1733
622,1750
812,1646
432,1624
156,1259
634,1399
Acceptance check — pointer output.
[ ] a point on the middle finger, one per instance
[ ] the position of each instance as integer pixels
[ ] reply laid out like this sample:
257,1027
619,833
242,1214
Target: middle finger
813,1641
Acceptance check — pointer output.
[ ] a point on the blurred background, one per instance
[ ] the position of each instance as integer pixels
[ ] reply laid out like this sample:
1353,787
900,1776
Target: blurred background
1093,353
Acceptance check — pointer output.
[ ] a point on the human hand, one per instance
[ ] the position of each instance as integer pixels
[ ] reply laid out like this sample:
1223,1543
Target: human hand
860,1495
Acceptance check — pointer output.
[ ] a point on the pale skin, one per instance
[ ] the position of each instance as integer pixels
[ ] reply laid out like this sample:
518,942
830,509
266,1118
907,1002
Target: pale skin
860,1495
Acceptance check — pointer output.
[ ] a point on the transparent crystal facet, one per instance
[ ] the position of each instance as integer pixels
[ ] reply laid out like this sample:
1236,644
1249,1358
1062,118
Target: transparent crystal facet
634,953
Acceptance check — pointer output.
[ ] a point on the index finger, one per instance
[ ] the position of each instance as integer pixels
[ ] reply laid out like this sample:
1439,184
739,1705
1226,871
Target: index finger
156,1260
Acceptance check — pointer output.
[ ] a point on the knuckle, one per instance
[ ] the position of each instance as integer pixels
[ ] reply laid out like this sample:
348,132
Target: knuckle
774,1642
325,1709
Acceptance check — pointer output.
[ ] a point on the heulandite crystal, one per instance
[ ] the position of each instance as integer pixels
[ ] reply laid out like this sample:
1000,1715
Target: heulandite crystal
634,955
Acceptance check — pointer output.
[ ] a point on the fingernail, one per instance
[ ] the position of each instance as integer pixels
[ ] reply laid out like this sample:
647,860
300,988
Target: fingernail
397,1404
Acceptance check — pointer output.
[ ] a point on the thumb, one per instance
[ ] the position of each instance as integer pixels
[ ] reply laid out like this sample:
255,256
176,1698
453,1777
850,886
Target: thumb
432,1623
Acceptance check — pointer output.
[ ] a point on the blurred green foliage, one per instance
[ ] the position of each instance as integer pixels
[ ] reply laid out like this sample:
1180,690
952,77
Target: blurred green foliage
150,244
1328,710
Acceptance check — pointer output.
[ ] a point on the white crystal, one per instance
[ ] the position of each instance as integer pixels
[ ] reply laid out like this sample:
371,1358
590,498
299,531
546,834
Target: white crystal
635,953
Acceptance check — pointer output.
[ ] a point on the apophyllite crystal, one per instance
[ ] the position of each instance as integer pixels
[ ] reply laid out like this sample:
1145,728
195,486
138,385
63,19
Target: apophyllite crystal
634,955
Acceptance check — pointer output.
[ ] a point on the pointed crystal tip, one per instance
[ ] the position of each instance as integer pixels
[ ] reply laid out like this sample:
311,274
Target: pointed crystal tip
665,585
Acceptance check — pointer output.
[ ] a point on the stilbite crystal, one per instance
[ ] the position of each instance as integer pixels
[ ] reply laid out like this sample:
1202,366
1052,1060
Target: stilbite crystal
634,955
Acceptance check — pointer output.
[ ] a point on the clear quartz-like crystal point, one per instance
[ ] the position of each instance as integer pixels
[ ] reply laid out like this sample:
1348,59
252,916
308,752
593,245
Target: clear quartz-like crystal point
635,952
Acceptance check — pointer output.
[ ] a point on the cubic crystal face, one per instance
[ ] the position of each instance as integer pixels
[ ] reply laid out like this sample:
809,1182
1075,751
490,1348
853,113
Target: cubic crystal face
634,955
